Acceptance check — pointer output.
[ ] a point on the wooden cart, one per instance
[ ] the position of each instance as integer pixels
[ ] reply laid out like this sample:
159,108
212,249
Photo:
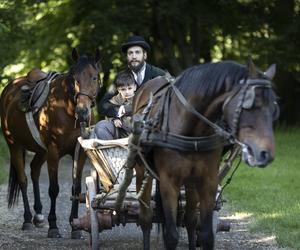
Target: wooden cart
102,185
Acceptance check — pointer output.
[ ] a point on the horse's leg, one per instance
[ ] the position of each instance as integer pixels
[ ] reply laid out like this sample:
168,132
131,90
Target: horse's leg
207,194
191,215
18,181
36,165
78,164
169,191
146,214
52,162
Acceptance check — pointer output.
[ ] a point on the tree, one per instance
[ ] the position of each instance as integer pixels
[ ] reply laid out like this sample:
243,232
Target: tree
182,33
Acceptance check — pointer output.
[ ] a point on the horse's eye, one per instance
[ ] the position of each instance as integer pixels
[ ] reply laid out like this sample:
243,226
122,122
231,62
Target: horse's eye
275,111
95,78
76,85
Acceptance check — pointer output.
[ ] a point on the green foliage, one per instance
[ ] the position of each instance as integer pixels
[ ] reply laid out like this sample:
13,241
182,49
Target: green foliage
182,33
271,195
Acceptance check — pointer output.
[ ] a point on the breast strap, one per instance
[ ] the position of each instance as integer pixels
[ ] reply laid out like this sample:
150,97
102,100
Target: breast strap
182,143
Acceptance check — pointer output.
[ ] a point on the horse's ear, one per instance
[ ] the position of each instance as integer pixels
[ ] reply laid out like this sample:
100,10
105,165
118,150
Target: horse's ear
97,56
75,55
270,72
251,67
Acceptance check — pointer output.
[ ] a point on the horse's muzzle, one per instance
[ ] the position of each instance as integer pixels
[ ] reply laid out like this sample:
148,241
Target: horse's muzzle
83,114
256,157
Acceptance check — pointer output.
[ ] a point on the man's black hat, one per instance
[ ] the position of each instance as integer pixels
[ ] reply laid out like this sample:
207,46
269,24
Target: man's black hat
135,41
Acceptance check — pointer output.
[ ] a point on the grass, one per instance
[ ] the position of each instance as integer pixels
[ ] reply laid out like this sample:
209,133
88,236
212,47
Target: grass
272,194
3,159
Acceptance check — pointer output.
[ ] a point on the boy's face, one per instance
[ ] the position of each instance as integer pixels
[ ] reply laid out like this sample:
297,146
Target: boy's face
127,91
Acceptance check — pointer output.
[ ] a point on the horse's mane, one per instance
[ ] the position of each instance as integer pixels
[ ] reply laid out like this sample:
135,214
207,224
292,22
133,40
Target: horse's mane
81,64
211,78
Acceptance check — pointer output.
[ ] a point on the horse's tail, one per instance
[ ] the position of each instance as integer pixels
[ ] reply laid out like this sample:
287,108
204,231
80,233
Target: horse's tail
13,187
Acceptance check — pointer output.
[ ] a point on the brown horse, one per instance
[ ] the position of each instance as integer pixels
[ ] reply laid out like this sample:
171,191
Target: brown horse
185,130
57,123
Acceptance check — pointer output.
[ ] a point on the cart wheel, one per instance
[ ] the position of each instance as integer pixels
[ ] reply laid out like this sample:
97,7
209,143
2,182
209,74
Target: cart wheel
95,176
215,223
90,195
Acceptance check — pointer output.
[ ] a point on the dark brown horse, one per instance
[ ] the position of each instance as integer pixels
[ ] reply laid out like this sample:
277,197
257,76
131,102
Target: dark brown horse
57,123
185,131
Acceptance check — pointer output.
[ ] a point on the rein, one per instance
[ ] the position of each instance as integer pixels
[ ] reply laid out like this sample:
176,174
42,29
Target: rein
222,132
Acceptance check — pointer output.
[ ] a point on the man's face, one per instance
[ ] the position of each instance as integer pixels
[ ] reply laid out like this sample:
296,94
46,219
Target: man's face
127,91
136,57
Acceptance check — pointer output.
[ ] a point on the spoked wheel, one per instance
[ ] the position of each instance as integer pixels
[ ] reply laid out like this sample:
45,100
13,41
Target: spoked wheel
95,176
90,195
215,223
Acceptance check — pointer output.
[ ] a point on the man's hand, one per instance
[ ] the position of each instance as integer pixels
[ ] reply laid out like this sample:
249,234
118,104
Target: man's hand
117,123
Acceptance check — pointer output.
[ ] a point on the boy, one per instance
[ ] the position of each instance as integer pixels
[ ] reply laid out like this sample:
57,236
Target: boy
119,126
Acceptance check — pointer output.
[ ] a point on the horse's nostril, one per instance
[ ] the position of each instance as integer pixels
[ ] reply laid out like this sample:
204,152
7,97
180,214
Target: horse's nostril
83,113
265,157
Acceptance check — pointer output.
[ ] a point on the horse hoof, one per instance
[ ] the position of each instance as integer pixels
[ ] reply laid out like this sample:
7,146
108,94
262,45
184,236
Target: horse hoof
27,226
53,233
76,235
38,220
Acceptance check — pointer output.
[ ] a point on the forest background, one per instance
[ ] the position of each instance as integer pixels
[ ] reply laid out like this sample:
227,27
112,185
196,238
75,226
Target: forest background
182,33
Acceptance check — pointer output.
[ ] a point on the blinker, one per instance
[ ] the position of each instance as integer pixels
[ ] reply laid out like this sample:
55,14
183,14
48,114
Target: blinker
249,98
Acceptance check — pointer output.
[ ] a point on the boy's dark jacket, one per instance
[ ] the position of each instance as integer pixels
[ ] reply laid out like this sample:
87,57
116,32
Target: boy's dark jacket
118,101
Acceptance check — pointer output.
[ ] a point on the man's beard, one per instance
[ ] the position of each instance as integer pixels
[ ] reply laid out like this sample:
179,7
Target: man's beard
136,68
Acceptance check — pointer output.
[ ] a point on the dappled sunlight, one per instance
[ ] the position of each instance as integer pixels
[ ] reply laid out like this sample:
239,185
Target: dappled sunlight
60,103
238,216
43,119
264,239
14,68
60,131
272,215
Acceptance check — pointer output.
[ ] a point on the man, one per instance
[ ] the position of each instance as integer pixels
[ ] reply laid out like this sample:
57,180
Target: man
136,50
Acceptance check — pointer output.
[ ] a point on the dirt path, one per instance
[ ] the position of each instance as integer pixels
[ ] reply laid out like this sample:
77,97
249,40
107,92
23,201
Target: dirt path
129,237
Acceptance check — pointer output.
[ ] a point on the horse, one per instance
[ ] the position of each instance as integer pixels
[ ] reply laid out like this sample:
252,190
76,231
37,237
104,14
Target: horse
187,125
50,130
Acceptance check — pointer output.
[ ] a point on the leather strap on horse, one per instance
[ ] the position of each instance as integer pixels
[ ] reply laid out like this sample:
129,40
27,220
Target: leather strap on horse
191,109
41,91
35,102
33,129
156,133
182,143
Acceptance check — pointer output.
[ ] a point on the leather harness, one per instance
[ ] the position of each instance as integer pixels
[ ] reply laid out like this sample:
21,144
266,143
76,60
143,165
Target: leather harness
156,129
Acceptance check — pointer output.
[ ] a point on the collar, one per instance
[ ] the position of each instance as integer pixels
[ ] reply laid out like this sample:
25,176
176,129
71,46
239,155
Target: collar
141,71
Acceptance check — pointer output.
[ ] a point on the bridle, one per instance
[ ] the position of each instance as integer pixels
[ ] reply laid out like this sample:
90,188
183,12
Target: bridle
245,101
92,98
75,98
79,93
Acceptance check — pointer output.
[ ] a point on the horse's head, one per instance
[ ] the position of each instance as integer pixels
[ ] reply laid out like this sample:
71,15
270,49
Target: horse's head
250,112
86,83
